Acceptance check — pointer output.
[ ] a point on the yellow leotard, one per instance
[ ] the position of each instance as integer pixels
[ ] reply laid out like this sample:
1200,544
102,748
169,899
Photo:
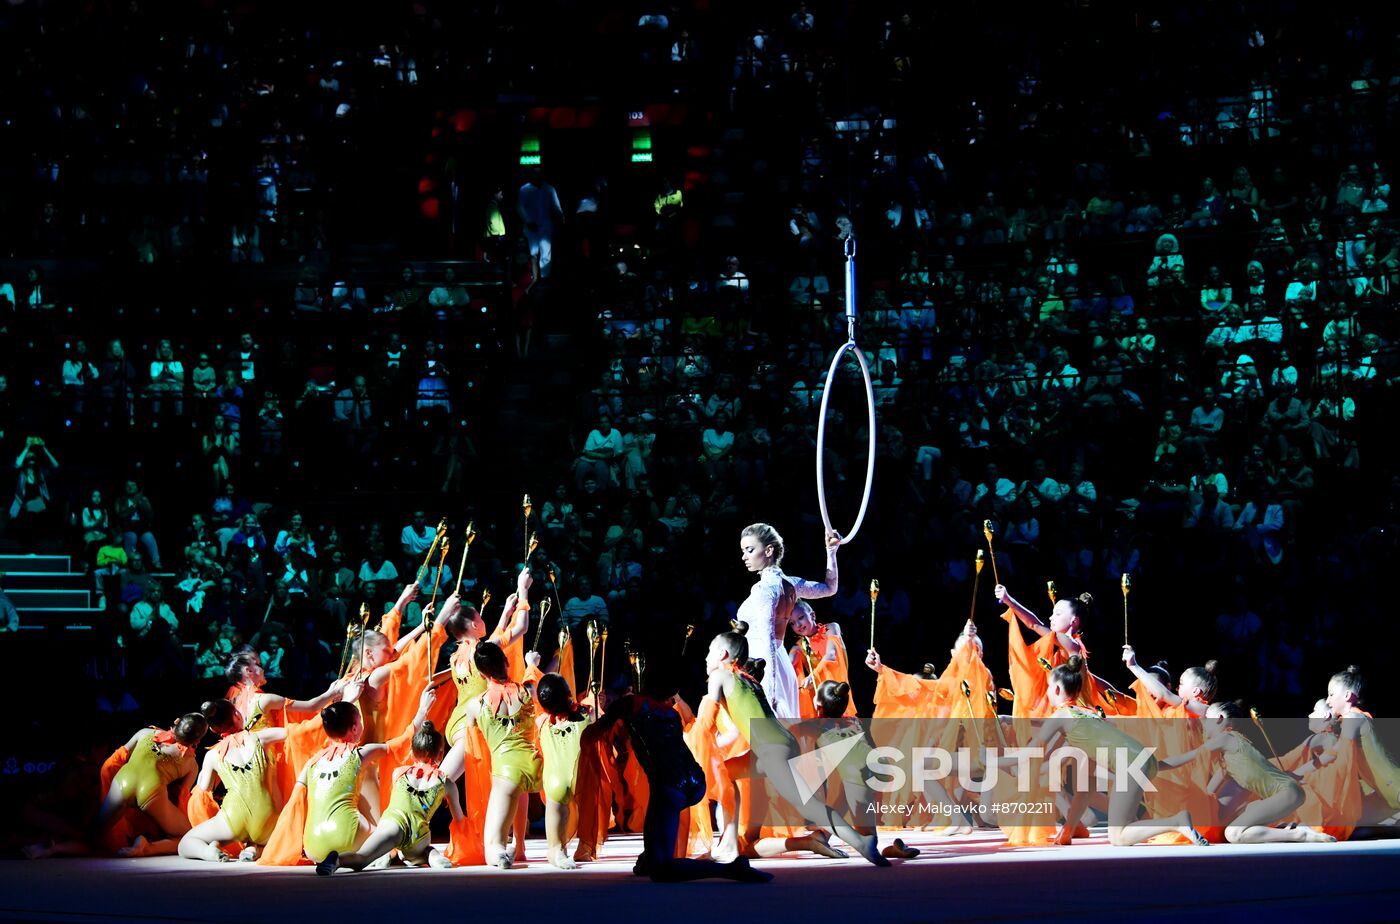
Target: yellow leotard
1384,774
1252,770
147,772
247,805
332,806
1088,732
470,685
249,702
511,740
412,809
852,767
753,716
560,744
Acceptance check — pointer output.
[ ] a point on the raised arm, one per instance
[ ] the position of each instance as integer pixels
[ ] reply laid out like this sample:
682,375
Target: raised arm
812,590
1028,619
1155,687
271,702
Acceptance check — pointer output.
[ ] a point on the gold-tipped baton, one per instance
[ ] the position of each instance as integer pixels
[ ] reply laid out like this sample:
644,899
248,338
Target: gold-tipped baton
539,630
428,559
1112,698
592,631
632,661
554,586
351,631
874,594
485,599
1259,721
689,631
641,670
1053,592
991,552
467,539
527,507
603,659
805,644
433,603
1008,695
979,562
1045,664
437,579
972,719
996,719
364,625
1127,584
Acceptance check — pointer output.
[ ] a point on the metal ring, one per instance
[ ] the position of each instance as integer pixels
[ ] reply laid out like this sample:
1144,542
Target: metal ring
821,438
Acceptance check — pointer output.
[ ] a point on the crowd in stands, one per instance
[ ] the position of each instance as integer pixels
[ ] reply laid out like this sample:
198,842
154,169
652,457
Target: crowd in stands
1144,329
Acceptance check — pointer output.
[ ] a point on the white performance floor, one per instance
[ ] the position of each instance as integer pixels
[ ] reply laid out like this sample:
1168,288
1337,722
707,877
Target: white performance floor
956,879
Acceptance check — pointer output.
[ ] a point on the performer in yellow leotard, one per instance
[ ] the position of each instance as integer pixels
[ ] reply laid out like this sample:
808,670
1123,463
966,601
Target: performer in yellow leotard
1378,768
418,791
560,727
332,780
1279,794
156,758
833,700
504,715
252,798
771,744
1088,732
470,755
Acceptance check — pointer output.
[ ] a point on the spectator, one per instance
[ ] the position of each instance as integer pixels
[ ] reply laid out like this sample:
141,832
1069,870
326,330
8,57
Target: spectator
602,451
537,203
582,606
167,380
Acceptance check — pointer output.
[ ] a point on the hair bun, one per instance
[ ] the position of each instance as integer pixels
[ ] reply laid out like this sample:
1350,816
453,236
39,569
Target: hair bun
1166,668
427,726
1075,663
1211,666
741,627
1087,599
207,706
1353,669
930,668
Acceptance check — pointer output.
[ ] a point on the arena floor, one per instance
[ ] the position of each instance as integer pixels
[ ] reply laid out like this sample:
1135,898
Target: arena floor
963,879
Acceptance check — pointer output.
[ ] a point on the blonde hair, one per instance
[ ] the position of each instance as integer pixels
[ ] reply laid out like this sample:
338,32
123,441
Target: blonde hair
373,638
766,536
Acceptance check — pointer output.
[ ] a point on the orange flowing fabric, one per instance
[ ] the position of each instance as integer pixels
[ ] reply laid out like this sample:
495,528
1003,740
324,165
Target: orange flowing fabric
514,651
823,670
400,748
566,665
902,700
1031,681
408,677
468,846
905,696
1332,798
284,847
391,625
1175,730
595,789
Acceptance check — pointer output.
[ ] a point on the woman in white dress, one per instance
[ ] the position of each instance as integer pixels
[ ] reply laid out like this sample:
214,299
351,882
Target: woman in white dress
769,606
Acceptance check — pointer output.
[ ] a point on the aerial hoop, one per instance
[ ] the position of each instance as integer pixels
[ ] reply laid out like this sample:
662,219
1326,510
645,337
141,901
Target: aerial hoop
848,347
